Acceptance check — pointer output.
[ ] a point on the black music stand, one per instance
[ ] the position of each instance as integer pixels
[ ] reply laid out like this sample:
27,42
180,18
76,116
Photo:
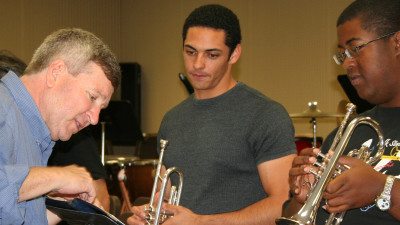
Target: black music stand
121,124
351,93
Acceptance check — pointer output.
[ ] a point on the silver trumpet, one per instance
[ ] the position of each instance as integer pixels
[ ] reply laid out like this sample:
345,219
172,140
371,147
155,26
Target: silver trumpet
329,169
154,214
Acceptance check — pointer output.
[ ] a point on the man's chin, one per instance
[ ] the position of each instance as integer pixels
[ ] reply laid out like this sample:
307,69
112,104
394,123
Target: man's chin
65,137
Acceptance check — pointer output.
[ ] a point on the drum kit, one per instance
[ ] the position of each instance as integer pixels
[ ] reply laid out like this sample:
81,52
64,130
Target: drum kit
313,113
127,172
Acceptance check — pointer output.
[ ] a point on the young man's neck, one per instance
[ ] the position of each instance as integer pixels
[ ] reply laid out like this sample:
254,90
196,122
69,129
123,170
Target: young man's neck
207,94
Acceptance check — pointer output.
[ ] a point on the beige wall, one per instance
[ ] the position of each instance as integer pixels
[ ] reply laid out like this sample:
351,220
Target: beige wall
287,45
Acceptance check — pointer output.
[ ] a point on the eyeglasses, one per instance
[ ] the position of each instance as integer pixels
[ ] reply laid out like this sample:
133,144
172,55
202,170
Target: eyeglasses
352,52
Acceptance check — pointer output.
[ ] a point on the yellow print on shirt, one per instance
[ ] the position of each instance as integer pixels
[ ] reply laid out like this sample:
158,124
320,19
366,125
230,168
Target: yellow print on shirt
394,153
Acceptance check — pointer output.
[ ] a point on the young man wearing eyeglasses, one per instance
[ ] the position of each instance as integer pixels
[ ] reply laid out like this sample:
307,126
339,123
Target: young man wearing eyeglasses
369,49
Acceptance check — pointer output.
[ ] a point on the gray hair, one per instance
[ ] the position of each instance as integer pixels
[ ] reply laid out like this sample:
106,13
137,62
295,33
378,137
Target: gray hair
76,47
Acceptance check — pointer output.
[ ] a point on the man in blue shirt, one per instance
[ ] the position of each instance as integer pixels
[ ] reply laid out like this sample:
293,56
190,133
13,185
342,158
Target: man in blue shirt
81,149
70,78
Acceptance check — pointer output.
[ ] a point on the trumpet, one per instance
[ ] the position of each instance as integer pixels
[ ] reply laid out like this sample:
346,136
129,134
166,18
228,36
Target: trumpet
154,214
330,168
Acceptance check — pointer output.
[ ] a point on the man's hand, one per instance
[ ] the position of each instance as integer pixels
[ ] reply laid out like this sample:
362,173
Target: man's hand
75,182
67,182
354,188
181,215
300,179
139,215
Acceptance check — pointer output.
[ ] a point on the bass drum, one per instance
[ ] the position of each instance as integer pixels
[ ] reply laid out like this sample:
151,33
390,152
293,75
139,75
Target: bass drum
140,177
303,142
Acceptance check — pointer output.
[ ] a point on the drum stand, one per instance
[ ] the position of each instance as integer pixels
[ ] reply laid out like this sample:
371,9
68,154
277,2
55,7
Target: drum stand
313,122
126,203
103,141
313,112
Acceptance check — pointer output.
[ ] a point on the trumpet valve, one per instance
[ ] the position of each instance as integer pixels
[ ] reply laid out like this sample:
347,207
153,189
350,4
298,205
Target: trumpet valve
315,173
324,157
150,214
318,164
151,217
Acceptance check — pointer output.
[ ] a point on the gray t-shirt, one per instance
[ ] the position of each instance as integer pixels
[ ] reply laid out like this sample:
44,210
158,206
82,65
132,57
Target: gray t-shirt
219,142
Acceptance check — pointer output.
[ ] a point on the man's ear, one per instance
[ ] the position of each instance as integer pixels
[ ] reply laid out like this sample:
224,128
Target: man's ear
235,54
54,70
397,40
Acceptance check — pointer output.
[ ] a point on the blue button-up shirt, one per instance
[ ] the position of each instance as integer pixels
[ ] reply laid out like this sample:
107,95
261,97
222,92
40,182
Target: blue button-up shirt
25,142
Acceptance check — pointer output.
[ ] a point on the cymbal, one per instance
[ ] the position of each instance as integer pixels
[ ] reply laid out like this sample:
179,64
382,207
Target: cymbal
111,159
314,112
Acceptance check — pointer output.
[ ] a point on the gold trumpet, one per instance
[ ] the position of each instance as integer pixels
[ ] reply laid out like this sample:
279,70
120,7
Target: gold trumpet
330,168
154,214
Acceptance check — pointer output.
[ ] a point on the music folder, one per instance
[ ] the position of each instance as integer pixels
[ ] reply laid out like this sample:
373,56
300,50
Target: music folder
79,212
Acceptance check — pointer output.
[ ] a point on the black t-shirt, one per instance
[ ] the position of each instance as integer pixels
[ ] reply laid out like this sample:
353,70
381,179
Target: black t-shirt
389,121
81,150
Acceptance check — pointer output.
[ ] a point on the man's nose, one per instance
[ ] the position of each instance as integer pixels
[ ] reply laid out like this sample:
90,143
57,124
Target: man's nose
199,62
348,63
94,115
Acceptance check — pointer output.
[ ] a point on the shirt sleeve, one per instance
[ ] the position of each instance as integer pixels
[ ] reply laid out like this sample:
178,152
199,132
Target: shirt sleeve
11,178
273,134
